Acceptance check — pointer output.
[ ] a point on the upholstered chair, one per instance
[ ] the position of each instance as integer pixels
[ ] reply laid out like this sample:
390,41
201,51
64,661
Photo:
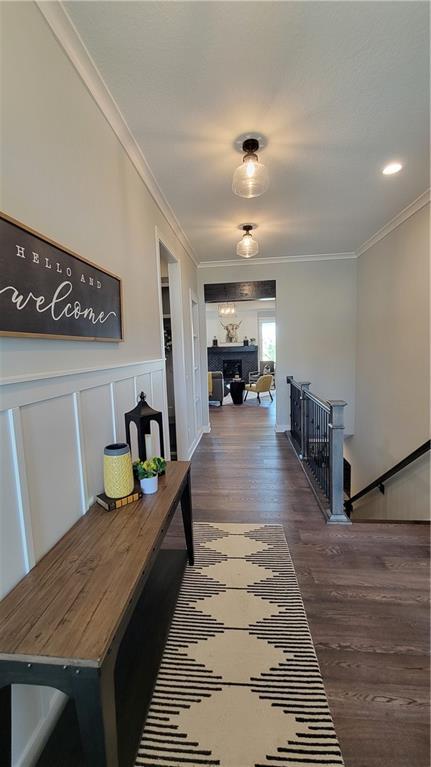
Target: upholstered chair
265,367
216,386
262,385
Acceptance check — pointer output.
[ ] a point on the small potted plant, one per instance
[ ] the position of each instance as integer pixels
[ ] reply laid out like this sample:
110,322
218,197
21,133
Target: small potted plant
148,473
159,464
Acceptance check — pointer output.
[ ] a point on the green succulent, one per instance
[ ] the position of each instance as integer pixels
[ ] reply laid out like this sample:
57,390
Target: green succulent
159,464
149,468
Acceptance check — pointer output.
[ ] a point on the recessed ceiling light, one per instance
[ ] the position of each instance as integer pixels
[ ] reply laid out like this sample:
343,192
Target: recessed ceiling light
393,167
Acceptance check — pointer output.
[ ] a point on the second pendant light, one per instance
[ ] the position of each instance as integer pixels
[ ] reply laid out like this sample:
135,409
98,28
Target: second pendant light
247,246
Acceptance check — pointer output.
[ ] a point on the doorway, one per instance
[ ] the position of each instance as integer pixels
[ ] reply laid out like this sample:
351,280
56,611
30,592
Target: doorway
176,426
169,363
196,366
240,339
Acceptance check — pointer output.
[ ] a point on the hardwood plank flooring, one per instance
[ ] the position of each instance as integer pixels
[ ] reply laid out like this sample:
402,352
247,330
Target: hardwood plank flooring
365,587
365,590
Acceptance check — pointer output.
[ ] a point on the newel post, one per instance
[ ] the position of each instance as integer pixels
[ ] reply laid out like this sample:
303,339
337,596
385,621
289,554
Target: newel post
336,463
305,385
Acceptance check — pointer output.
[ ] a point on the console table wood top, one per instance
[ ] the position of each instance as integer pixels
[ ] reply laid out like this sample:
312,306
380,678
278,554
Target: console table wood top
71,605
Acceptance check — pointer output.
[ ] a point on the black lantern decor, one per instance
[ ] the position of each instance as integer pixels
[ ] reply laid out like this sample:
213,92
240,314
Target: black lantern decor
142,415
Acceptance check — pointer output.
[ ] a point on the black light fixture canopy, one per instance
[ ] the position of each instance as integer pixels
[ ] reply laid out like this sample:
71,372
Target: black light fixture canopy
250,145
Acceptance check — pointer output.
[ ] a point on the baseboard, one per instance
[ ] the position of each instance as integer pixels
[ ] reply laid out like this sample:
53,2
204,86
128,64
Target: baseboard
195,444
390,521
206,429
281,427
42,731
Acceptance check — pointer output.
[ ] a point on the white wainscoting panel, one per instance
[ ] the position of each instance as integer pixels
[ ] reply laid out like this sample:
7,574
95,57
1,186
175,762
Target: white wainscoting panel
53,470
53,429
12,552
27,709
143,383
157,396
97,428
124,400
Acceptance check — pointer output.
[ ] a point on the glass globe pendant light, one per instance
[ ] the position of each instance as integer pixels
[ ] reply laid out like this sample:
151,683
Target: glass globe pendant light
251,177
247,246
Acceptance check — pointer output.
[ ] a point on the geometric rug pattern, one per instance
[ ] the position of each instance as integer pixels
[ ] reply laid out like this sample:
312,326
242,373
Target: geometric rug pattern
239,684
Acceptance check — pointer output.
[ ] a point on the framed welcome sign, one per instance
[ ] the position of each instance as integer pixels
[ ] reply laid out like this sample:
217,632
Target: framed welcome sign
48,291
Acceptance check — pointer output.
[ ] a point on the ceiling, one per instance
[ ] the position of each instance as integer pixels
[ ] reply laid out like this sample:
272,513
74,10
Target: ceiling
337,88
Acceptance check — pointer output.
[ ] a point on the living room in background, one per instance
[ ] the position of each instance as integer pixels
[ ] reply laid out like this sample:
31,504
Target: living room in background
237,350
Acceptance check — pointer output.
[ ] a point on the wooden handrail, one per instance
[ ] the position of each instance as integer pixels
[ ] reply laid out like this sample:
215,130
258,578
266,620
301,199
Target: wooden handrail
380,481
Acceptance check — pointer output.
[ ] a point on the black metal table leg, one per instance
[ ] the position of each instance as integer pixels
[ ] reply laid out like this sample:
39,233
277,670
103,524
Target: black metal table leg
94,694
186,508
5,726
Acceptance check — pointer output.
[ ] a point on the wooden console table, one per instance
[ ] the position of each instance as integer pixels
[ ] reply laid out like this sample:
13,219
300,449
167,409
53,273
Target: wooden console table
63,623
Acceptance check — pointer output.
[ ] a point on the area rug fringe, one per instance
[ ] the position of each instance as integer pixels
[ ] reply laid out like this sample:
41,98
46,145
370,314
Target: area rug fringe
239,684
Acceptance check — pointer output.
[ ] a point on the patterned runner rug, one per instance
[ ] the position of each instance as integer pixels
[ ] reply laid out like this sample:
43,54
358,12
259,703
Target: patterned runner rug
239,684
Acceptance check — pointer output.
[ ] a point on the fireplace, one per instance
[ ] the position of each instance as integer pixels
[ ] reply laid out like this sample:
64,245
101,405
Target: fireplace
226,359
232,368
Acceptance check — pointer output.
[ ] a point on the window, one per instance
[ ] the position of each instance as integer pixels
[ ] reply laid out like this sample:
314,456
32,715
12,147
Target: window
267,338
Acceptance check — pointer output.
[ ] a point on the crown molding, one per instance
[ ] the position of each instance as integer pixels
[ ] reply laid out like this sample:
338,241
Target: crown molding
70,40
278,260
402,216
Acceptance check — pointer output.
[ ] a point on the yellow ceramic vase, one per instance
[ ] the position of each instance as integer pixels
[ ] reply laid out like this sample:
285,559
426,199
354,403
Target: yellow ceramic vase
117,470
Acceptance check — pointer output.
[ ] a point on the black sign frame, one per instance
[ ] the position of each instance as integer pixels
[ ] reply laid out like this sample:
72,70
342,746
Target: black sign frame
57,255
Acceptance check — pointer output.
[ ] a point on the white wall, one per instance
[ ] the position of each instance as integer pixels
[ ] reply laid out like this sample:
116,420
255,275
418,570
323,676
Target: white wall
247,312
65,173
392,370
315,314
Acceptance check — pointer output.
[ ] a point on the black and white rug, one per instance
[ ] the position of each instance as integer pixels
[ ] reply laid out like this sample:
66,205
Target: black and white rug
239,684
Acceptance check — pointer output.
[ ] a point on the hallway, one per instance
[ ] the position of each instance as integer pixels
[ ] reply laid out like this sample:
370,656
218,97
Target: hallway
164,172
364,586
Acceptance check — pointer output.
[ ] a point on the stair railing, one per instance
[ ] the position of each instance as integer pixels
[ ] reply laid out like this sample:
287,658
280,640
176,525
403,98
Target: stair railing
379,483
317,435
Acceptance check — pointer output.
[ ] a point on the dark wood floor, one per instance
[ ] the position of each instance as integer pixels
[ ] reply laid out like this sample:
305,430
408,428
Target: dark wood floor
365,589
365,586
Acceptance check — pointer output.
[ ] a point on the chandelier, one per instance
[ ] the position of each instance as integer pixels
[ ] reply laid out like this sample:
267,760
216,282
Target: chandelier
226,310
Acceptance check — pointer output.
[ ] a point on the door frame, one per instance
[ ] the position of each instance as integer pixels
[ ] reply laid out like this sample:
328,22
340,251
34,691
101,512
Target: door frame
196,364
182,426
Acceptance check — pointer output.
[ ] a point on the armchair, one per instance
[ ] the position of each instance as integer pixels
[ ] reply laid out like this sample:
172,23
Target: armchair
265,367
216,386
262,385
